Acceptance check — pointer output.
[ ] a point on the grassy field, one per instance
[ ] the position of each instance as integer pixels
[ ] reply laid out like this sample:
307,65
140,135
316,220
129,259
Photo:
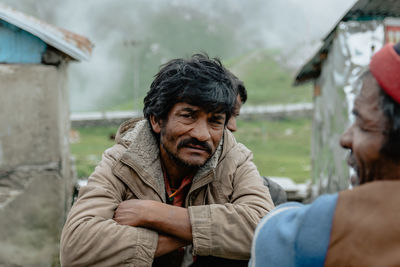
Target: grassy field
281,148
88,149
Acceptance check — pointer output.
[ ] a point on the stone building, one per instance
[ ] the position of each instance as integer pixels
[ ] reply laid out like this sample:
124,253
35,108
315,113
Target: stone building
342,56
35,169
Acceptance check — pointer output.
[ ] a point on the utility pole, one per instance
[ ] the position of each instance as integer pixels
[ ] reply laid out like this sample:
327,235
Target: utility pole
136,70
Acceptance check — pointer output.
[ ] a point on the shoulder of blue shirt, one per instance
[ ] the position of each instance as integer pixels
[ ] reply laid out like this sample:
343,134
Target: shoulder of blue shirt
294,234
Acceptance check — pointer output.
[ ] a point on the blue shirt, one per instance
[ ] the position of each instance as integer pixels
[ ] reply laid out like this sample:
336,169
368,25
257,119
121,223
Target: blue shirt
294,234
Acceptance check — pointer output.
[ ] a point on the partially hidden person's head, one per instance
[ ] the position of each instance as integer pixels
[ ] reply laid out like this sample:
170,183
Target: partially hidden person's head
374,137
188,106
241,98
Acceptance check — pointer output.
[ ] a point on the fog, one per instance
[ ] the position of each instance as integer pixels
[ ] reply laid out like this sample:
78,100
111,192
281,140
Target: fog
133,37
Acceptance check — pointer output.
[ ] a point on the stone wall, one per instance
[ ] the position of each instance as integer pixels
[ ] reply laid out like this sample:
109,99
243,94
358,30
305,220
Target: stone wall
35,172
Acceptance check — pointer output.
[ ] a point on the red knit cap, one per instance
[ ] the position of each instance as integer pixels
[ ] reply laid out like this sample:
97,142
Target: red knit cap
385,66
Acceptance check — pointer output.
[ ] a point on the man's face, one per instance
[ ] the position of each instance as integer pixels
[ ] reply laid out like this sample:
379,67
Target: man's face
190,136
365,136
231,125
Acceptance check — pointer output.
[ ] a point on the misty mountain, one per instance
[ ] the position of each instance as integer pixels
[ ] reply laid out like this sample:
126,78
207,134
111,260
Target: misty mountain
132,38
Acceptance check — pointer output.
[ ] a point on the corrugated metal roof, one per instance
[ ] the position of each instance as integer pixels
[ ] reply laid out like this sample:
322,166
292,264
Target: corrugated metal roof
361,10
373,9
76,46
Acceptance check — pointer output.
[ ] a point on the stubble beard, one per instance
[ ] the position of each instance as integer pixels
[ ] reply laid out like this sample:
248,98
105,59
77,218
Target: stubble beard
366,173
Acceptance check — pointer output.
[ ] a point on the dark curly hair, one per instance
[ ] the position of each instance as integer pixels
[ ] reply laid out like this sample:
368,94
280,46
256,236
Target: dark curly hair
198,81
238,86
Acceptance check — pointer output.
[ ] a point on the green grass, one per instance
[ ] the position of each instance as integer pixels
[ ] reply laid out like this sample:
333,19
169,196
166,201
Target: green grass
91,145
280,148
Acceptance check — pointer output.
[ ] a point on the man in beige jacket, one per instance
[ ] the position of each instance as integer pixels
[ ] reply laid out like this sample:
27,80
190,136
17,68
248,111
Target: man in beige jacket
176,189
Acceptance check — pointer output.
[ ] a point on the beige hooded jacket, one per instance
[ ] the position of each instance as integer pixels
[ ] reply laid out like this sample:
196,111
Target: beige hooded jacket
226,200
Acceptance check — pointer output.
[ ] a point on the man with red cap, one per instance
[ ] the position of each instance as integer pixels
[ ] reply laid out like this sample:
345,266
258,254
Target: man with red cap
359,227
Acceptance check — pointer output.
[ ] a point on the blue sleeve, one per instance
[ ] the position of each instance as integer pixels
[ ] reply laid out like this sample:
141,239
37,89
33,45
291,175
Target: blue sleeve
294,234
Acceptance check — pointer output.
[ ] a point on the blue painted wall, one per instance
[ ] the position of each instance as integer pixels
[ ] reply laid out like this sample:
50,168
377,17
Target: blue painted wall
18,46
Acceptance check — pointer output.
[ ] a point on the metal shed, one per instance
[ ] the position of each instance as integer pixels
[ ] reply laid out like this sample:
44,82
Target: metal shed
343,55
35,170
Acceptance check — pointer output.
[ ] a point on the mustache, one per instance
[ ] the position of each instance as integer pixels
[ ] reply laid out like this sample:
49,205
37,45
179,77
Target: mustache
195,142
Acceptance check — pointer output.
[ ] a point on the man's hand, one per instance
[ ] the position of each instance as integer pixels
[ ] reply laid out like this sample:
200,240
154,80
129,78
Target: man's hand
158,216
167,244
133,212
